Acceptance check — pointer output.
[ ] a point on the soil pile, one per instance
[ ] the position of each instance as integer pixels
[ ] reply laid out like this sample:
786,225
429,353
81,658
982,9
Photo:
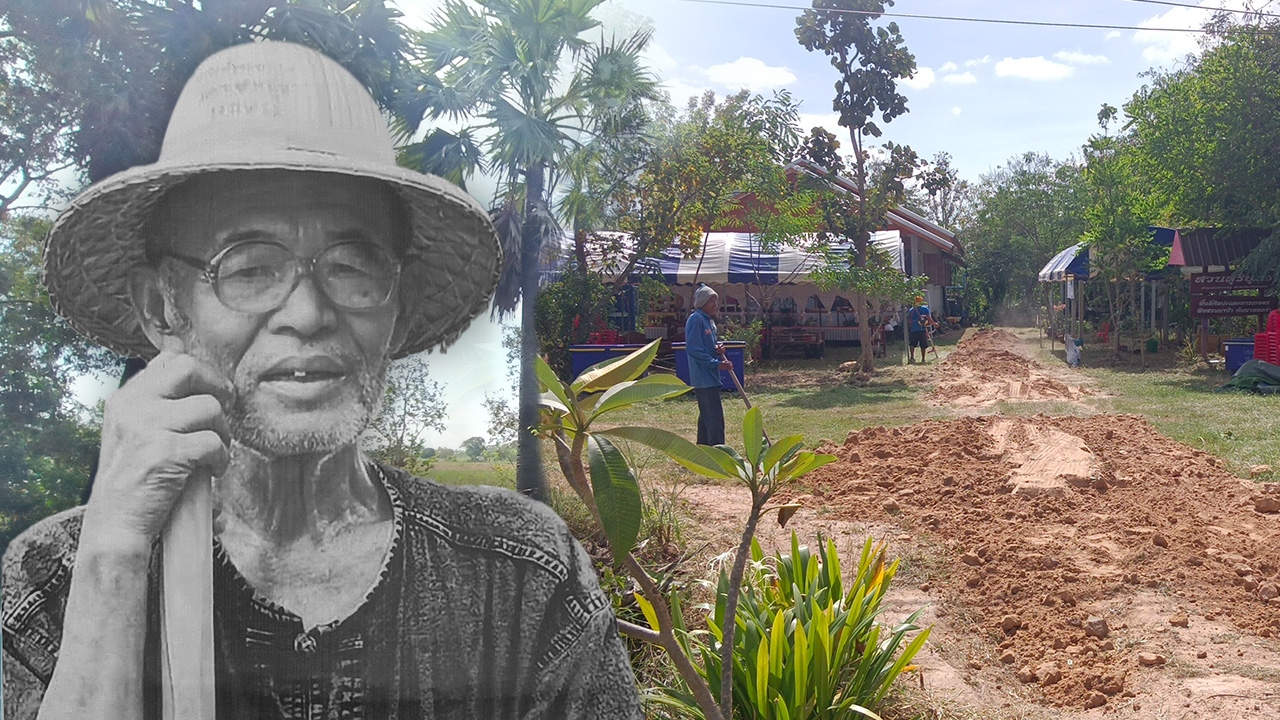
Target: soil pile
1055,525
983,371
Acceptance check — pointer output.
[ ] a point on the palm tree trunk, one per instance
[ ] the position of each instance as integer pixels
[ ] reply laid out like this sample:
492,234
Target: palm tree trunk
528,460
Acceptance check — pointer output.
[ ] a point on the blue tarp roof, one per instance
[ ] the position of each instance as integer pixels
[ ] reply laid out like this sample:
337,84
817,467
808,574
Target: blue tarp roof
1072,261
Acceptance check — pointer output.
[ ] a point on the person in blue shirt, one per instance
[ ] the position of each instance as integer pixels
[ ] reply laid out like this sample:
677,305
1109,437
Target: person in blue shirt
919,319
705,363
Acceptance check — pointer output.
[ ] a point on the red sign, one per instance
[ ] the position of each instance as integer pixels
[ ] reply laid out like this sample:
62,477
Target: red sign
1202,283
1216,306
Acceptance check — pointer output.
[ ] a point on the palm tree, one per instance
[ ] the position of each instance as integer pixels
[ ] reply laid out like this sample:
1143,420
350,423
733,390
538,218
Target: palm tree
110,71
533,87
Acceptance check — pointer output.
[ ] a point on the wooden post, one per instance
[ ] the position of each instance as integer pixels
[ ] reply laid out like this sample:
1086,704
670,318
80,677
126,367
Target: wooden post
186,597
186,605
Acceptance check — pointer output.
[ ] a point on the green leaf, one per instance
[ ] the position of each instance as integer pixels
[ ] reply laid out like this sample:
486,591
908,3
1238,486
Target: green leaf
547,379
550,400
653,387
779,450
646,608
617,495
753,434
704,460
602,376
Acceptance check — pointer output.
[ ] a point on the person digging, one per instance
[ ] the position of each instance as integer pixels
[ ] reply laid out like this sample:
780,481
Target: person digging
705,363
919,324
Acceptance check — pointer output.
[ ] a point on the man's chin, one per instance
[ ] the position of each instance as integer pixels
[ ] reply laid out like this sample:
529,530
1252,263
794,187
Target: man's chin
304,434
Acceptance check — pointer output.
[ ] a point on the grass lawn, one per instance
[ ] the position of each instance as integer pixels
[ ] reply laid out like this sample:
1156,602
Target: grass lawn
1182,402
482,472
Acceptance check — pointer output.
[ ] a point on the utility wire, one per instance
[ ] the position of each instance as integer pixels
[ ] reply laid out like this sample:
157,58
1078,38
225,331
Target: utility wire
1169,3
951,18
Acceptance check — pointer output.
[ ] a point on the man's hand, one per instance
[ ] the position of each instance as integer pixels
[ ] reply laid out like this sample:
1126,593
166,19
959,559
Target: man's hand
160,427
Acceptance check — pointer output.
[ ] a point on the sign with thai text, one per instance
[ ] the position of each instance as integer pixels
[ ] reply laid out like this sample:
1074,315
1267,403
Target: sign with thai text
1202,283
1216,306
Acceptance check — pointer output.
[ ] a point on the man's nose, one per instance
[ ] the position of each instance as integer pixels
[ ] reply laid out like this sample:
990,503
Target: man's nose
306,310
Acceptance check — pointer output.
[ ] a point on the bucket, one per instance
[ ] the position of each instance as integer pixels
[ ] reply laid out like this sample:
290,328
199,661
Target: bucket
1237,351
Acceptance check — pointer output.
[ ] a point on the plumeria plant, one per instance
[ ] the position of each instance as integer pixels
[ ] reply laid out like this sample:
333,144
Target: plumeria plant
600,475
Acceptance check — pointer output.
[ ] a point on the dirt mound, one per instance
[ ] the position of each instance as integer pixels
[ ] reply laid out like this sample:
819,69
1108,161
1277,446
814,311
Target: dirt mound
983,371
1077,544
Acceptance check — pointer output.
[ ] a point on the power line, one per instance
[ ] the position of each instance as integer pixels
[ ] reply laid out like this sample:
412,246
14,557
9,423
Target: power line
951,18
1169,3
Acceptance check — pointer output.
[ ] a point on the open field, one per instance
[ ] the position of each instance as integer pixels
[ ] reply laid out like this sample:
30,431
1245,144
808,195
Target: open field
1031,504
1029,500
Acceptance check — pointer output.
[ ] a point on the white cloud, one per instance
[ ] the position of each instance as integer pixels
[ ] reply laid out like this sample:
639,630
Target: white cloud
828,121
964,78
956,110
985,59
1075,57
656,57
1166,48
749,73
1112,35
922,78
948,67
1033,68
681,91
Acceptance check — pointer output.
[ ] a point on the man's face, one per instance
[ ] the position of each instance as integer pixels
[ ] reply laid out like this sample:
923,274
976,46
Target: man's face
712,306
308,375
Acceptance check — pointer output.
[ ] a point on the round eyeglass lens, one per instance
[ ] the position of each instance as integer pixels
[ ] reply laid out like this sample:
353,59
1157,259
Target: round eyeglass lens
357,274
254,276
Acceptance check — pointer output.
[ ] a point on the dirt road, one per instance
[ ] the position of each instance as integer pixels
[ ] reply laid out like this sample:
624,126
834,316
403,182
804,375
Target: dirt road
1074,566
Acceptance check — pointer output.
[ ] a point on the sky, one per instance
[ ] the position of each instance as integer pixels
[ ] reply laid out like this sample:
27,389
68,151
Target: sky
982,93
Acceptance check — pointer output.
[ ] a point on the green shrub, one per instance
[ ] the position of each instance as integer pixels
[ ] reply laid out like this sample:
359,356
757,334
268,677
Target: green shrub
807,647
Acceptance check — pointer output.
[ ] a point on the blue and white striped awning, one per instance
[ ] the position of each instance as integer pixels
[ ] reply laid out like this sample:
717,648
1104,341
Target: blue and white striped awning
1072,262
737,259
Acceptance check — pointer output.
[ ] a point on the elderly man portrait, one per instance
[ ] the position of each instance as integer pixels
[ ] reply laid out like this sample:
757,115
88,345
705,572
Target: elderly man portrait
270,266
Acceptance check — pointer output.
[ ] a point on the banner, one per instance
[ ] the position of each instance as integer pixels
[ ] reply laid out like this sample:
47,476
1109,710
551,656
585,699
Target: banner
1216,306
1202,283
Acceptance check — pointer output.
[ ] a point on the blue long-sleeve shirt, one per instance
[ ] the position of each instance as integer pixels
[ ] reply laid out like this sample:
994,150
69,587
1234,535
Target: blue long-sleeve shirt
700,346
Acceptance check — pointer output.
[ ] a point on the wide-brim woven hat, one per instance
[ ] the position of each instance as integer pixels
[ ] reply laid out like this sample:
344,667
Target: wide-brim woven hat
272,106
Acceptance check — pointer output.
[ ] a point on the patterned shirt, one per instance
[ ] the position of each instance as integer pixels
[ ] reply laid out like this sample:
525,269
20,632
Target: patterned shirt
486,608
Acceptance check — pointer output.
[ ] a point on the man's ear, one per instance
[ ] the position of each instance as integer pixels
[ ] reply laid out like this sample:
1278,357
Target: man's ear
150,303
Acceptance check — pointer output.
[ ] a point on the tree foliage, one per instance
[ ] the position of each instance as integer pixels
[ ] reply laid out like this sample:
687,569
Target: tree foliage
530,86
1027,210
412,406
869,60
48,441
1116,220
1207,135
100,79
719,164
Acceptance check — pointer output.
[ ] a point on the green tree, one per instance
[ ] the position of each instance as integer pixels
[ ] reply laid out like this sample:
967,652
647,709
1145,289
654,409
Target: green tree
1207,135
1027,210
474,448
525,74
869,60
1116,222
503,419
412,406
102,77
48,442
702,171
941,195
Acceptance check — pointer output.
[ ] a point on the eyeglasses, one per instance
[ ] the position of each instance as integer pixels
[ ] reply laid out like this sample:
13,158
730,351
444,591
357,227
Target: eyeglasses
258,276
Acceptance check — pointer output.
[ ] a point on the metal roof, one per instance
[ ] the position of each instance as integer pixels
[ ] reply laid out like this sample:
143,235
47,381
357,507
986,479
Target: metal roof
1071,262
1214,247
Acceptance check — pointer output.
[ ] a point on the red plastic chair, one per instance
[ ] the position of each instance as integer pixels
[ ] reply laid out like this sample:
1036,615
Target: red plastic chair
1104,333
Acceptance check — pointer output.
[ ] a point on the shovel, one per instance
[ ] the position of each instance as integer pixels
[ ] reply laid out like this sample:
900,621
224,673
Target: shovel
186,601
